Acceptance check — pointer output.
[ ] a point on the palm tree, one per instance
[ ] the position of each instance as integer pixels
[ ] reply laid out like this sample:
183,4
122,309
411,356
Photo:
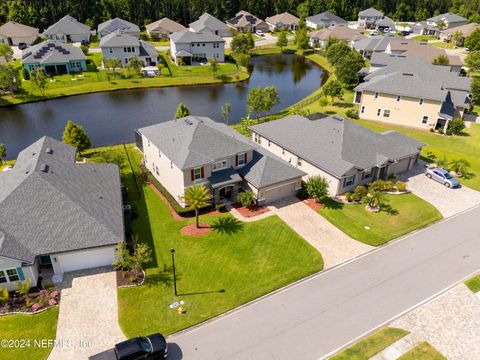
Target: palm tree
460,166
135,64
113,63
197,197
376,199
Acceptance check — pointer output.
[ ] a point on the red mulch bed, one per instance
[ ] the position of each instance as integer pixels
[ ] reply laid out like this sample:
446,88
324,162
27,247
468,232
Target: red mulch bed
251,211
191,230
313,204
125,278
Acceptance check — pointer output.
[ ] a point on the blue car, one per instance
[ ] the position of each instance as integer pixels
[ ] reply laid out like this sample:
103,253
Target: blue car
442,176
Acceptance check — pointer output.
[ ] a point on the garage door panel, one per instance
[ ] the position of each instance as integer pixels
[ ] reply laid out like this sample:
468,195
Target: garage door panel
86,259
280,192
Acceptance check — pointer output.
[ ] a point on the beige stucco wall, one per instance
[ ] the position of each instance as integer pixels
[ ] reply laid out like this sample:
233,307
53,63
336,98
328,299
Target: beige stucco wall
407,111
30,272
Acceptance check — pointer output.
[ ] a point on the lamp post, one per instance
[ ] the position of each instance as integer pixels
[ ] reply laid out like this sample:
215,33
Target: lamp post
172,251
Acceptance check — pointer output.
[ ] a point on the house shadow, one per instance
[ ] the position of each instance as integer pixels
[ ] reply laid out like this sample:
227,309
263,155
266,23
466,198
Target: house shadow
227,225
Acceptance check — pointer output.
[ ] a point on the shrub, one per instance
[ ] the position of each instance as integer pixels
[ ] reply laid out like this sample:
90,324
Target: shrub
352,114
401,186
246,198
317,187
36,307
376,199
440,131
349,196
449,132
26,73
456,126
460,166
52,302
431,129
123,258
55,293
220,207
302,193
4,295
392,176
84,49
378,185
359,193
443,162
388,186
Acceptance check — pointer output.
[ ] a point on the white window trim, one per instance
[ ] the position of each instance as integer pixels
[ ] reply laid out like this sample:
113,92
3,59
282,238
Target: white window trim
195,173
223,164
241,159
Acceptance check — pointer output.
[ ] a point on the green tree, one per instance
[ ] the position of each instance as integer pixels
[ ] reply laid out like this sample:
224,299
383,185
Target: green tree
3,153
270,98
6,52
456,126
441,60
135,64
457,38
403,13
9,79
182,111
376,200
213,65
472,61
242,59
330,41
39,80
142,255
226,109
76,136
255,102
250,40
301,36
242,43
472,41
333,89
347,69
246,198
316,187
113,64
282,40
441,24
459,166
302,10
337,52
197,197
17,12
123,258
475,90
25,73
23,288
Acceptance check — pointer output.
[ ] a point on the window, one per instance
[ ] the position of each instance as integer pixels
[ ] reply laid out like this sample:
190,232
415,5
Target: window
258,139
420,102
299,162
376,95
348,181
125,61
362,110
424,119
197,173
398,98
222,164
12,275
241,159
110,50
379,111
367,174
3,277
386,113
203,44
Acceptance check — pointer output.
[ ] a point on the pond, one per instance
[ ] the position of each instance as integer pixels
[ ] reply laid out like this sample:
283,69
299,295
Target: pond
111,117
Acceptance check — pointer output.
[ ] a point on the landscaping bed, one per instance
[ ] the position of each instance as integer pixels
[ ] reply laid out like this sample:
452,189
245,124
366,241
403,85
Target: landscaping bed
130,278
250,211
313,204
192,230
37,300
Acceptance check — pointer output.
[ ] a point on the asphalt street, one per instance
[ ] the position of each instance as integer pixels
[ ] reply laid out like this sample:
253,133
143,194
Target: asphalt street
316,317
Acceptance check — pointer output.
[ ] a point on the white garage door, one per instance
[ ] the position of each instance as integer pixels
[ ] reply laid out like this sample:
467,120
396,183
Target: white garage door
279,192
85,259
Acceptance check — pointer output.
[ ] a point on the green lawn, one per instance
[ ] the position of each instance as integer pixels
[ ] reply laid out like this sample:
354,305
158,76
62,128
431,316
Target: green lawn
424,38
474,283
443,45
28,327
407,213
216,272
423,351
372,345
453,147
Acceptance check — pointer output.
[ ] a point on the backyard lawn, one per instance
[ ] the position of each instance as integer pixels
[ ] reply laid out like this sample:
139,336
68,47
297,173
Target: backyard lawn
453,147
405,213
365,349
423,351
235,263
28,327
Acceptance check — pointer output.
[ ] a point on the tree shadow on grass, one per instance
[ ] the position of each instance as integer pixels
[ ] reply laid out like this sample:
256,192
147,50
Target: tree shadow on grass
389,210
227,225
331,204
164,277
468,175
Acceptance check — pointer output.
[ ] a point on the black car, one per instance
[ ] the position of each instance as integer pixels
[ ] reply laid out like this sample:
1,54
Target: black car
85,42
22,46
152,347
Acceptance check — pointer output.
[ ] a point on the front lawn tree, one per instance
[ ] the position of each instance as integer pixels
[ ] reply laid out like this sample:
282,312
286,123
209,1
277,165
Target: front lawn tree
456,126
473,61
255,103
472,41
242,43
459,166
142,255
301,36
333,89
376,200
270,98
3,153
197,197
226,109
182,111
347,69
282,40
213,65
6,52
39,80
76,136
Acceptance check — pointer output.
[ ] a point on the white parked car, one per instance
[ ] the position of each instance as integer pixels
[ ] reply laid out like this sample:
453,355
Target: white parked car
260,33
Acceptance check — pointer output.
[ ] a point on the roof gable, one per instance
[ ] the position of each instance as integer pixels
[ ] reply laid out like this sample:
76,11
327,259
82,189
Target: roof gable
68,26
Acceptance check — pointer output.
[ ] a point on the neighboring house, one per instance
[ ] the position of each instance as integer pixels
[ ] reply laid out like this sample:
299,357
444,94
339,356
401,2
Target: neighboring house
340,32
196,47
123,47
68,29
324,20
161,29
385,25
430,26
282,21
424,51
117,24
463,30
373,44
244,21
57,214
207,22
198,150
13,33
55,57
343,152
368,18
404,90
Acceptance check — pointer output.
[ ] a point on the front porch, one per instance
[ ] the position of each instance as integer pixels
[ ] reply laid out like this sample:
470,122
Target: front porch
225,185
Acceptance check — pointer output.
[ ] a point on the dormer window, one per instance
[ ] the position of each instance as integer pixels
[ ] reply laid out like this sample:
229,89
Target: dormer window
241,159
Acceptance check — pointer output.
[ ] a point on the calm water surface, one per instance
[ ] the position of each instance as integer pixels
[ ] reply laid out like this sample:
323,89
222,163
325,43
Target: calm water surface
111,117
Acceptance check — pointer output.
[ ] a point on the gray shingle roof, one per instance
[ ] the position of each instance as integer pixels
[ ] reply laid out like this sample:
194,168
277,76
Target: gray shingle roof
68,26
374,43
187,37
14,29
166,25
113,25
210,22
283,18
326,18
68,207
243,19
370,12
336,145
197,141
119,39
449,17
50,51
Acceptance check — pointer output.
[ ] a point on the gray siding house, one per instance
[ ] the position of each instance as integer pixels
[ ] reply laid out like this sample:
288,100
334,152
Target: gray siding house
207,22
368,18
123,47
324,20
68,29
118,24
195,47
56,215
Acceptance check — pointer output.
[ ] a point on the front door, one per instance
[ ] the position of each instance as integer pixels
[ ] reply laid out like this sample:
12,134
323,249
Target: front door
45,261
440,124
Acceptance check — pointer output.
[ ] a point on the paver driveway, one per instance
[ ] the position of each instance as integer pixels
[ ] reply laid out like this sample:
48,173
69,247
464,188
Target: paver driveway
88,314
448,201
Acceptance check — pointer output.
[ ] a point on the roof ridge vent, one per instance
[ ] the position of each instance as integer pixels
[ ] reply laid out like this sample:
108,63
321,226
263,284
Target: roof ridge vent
49,151
44,168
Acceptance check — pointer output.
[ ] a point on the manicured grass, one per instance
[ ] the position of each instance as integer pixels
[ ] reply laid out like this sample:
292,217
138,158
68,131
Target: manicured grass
215,272
453,147
423,351
5,163
474,283
424,38
372,345
443,45
41,326
406,213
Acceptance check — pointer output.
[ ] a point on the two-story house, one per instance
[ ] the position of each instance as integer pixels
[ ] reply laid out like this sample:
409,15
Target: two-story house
434,25
68,29
198,150
207,22
343,152
196,47
368,18
123,47
244,21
